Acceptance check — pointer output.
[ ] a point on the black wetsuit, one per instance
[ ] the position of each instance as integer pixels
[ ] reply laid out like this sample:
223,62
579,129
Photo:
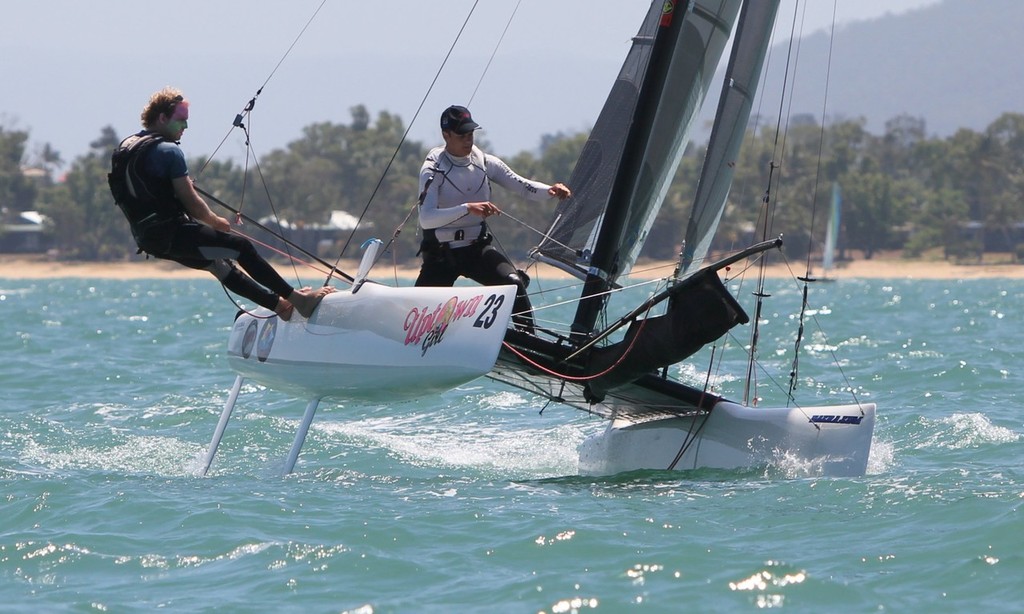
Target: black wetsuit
141,181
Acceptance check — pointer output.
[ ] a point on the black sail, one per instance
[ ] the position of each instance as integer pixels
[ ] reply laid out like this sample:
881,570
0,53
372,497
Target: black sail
753,31
626,166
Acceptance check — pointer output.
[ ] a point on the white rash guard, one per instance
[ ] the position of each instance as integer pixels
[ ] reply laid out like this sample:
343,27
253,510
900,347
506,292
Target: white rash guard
455,181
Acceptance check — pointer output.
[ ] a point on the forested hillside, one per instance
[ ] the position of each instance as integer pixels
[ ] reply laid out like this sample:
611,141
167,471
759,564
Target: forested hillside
923,133
901,189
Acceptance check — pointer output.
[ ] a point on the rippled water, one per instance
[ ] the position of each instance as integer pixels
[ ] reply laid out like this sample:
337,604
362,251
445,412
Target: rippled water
469,501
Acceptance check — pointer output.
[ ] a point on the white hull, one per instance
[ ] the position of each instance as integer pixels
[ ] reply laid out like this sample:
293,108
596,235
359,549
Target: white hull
832,441
379,342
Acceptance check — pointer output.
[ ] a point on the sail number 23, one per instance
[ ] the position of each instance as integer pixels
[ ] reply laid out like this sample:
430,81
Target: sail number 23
489,313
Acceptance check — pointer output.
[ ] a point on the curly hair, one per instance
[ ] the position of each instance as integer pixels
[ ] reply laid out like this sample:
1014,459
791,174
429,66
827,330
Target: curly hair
162,101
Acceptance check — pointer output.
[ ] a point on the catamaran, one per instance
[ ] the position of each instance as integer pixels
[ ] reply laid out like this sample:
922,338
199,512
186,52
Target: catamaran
620,368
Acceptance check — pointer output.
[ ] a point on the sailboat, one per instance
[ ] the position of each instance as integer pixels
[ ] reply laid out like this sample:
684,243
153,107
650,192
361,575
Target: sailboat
619,371
831,234
374,339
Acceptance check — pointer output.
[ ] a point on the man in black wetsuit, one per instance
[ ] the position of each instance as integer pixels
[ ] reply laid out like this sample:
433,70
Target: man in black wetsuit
169,219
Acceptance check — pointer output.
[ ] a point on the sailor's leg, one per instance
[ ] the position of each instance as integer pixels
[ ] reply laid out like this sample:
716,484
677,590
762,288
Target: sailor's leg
438,268
243,285
241,249
201,247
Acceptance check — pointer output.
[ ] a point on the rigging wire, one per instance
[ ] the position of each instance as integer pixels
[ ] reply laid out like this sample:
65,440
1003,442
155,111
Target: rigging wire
807,279
767,216
237,123
405,135
494,52
821,139
243,121
542,234
778,149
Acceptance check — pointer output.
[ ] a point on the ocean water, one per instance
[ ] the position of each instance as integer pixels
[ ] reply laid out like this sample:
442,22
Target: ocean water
470,501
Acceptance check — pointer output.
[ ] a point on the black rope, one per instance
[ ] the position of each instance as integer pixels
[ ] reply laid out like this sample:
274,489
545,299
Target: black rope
302,250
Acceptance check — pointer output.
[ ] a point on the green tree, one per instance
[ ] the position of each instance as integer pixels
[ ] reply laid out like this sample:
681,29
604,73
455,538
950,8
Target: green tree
87,223
17,192
355,168
1000,206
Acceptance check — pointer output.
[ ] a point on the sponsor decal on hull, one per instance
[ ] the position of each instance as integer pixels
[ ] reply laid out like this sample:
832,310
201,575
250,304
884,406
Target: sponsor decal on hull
833,419
249,339
426,327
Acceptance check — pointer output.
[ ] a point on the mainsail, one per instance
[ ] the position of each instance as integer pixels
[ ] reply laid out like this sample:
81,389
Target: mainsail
626,166
753,31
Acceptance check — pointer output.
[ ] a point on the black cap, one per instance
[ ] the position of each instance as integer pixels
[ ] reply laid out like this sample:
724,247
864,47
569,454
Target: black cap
458,120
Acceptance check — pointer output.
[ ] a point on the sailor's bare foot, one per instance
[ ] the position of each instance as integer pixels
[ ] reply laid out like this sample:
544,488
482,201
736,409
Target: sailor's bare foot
305,300
284,309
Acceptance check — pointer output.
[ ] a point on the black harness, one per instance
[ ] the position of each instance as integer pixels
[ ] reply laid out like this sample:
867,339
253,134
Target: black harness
147,202
430,241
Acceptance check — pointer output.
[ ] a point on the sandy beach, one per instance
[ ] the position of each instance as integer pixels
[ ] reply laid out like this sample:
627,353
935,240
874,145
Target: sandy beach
42,267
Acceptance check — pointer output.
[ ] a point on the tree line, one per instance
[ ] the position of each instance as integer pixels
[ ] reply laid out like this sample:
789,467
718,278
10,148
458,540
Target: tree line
954,197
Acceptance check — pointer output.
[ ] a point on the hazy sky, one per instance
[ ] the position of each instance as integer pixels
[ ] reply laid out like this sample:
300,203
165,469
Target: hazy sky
69,68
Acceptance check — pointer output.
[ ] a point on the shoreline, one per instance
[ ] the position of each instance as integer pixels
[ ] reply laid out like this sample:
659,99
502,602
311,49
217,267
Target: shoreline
20,266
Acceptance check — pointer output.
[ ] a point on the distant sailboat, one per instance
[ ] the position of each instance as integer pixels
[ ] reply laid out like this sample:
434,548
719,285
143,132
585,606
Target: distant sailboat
831,234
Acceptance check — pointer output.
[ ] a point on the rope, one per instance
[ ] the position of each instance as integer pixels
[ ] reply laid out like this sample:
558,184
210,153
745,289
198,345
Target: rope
405,135
691,435
544,236
578,378
252,101
494,52
279,252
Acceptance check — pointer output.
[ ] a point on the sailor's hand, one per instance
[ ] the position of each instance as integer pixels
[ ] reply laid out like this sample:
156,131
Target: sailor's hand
483,209
560,191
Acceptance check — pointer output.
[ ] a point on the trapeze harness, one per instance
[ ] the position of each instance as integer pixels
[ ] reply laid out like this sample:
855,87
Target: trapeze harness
147,202
458,184
454,237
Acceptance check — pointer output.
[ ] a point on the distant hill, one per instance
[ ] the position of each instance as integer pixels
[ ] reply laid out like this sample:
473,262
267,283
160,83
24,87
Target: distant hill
955,64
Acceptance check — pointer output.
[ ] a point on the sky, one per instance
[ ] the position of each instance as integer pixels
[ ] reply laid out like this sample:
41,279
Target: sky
68,70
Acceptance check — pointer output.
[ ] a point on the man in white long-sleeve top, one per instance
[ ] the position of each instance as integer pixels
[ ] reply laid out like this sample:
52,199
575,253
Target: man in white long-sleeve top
455,198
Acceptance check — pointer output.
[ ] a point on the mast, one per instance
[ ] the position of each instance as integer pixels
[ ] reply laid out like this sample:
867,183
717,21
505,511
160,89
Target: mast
685,51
